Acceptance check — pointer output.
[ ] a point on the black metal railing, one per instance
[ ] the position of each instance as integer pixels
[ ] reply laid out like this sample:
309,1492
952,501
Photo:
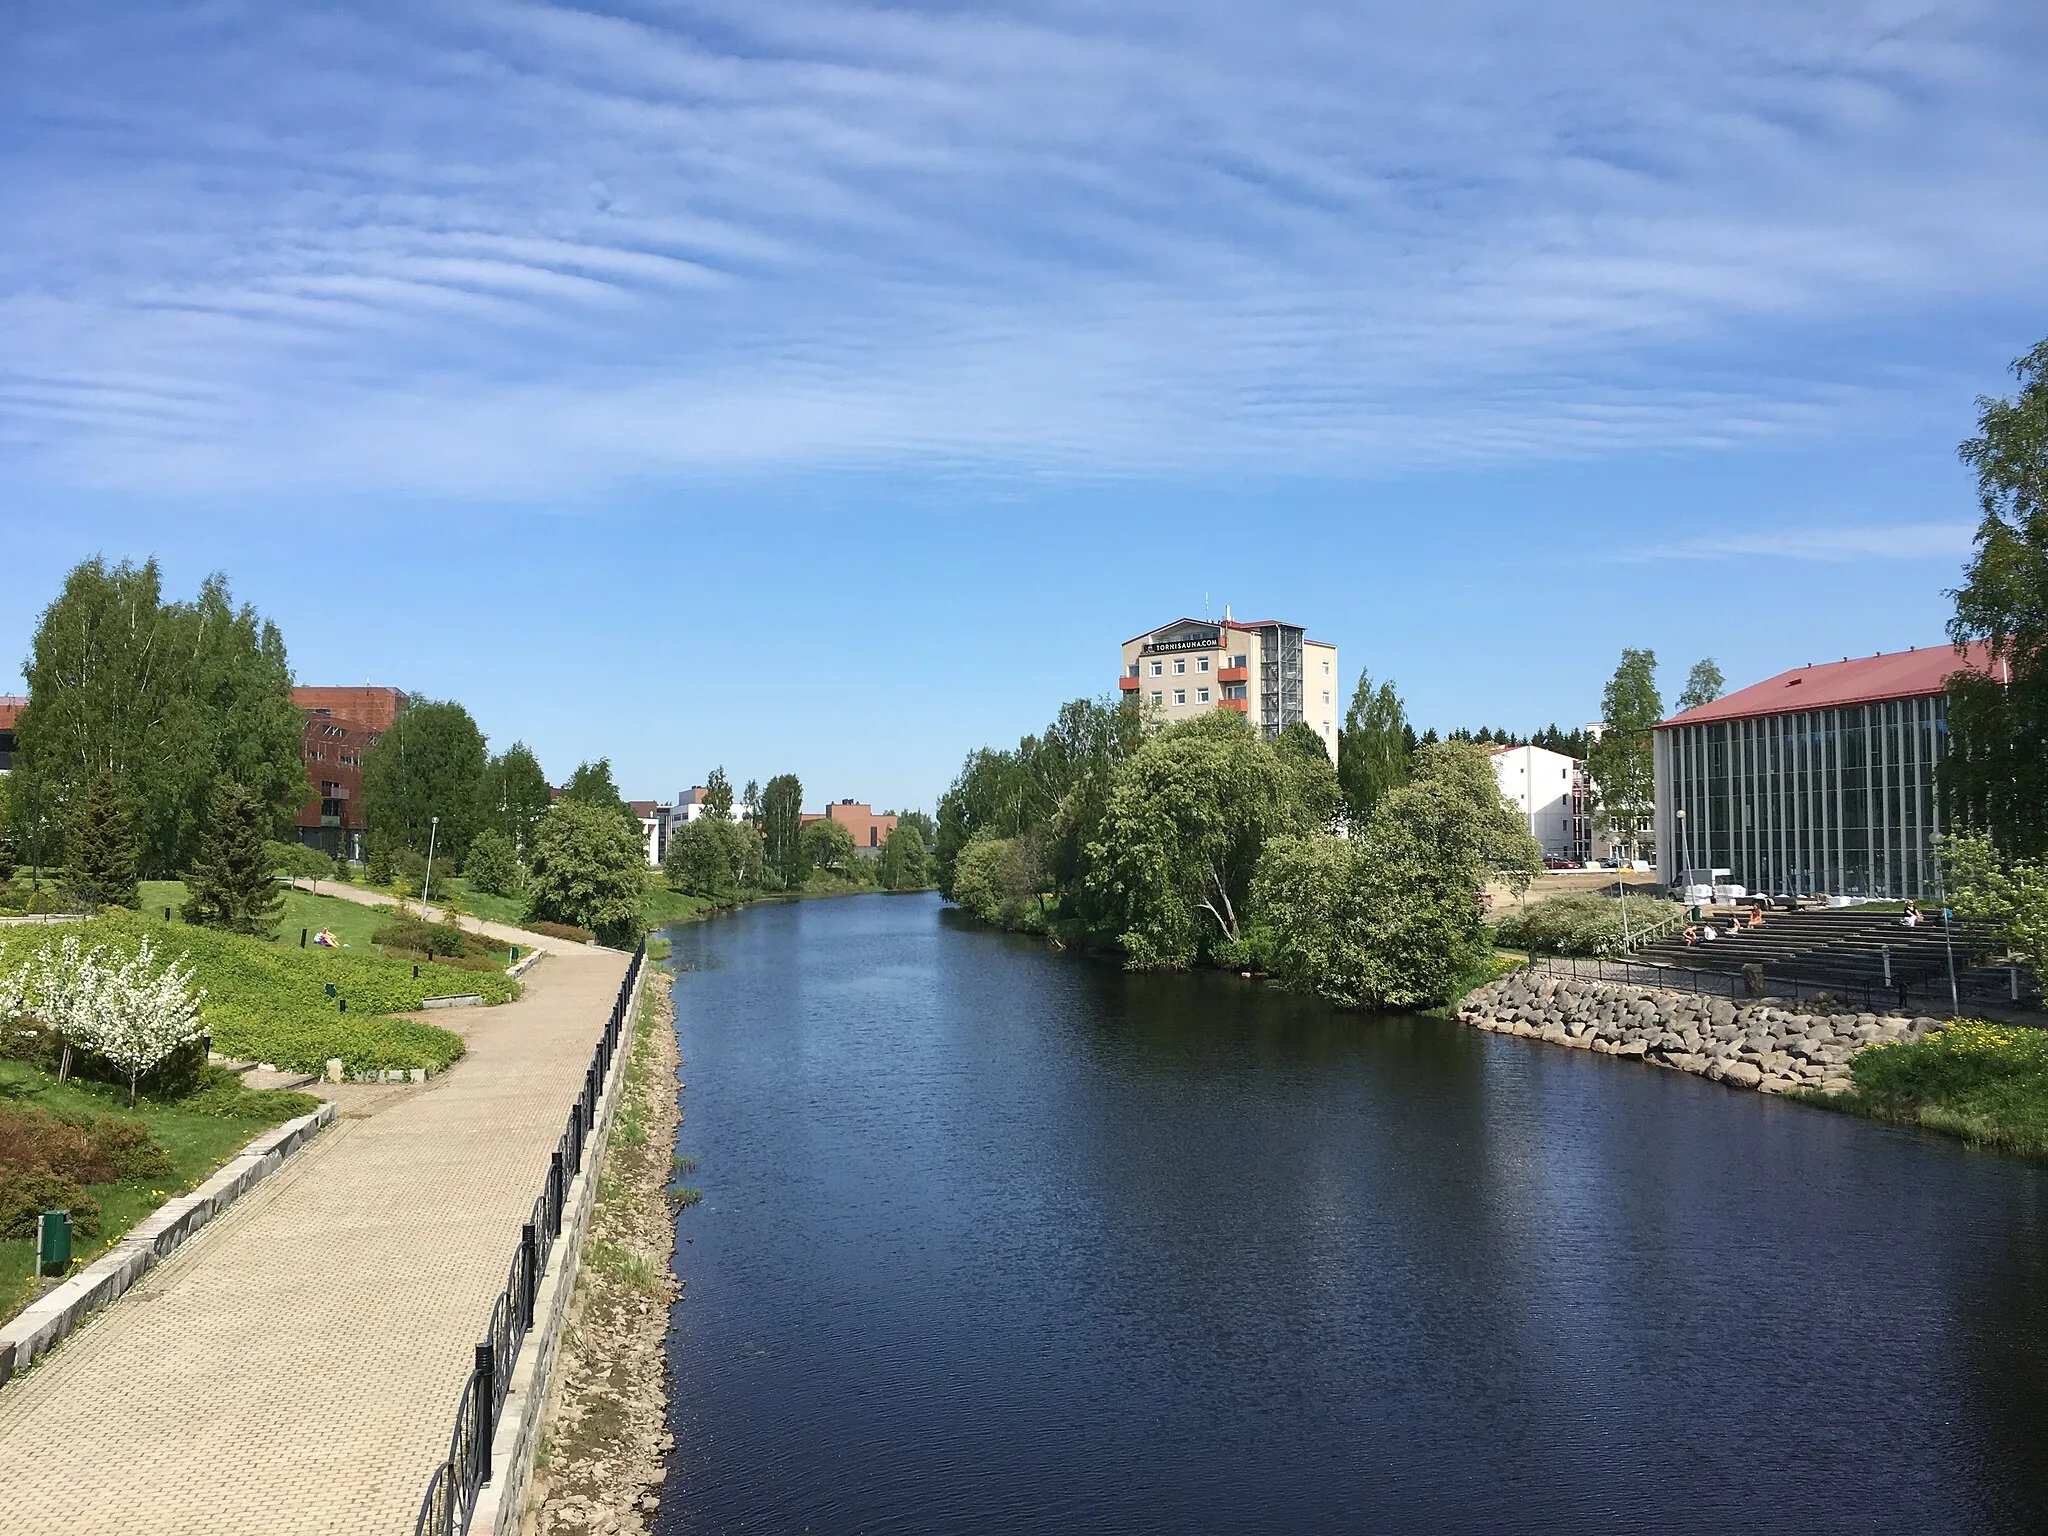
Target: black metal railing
452,1493
1929,990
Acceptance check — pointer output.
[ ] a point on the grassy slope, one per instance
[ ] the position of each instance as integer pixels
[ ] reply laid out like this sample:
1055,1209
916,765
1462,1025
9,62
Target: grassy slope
198,1144
267,1001
1986,1083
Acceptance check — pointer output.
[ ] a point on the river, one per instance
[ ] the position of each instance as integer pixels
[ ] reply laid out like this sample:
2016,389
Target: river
996,1238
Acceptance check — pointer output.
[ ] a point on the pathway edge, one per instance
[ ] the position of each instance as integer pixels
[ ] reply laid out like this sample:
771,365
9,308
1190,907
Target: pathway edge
42,1326
501,1502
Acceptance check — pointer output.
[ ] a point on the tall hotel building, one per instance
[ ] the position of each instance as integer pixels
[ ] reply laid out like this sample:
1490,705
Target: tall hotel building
1271,673
1816,781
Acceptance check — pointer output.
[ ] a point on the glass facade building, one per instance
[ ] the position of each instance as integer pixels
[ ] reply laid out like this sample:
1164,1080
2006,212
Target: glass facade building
1838,800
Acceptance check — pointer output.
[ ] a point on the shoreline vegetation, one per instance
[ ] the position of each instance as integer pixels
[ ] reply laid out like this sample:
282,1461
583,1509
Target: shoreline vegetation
600,1463
1200,843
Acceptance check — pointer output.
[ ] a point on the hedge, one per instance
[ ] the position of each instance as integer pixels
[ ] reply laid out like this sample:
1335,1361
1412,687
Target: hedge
269,1002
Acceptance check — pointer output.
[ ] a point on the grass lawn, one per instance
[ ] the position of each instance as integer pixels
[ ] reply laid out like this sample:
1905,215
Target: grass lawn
267,1000
1987,1083
197,1142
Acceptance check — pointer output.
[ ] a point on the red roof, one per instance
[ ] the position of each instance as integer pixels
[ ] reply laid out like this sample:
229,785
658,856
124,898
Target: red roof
11,706
1911,674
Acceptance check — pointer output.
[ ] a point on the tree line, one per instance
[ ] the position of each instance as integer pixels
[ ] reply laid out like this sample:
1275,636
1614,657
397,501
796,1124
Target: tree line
1200,842
769,849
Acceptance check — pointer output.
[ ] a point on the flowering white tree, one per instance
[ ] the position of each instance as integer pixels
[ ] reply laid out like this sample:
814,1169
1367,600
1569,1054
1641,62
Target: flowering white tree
141,1013
127,1008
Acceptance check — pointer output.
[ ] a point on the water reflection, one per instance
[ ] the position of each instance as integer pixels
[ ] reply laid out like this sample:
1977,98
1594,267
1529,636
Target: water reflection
1001,1237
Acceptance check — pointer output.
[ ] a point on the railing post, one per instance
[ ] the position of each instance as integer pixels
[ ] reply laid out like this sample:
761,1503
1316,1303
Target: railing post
486,1408
556,1193
529,1254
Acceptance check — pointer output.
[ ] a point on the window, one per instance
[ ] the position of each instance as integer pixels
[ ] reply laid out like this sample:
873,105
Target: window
1158,670
1201,663
1326,673
1180,695
1179,665
1326,695
1237,661
1201,695
1158,697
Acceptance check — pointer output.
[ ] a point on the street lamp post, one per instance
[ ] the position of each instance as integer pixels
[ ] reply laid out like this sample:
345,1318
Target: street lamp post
1684,846
433,826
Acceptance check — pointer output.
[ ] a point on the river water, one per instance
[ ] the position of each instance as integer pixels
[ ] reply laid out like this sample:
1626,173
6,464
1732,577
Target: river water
999,1239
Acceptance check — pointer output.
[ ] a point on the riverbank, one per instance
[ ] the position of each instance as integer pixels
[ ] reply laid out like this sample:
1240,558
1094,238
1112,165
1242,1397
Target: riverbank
605,1441
1763,1045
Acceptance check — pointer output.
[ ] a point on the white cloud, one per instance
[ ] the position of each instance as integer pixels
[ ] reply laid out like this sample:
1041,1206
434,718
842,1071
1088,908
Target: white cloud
522,249
1893,541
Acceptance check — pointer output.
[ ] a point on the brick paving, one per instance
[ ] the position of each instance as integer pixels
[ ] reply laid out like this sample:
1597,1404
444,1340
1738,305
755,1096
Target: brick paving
296,1366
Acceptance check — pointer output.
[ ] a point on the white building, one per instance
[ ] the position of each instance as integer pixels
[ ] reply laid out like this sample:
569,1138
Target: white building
690,805
1549,790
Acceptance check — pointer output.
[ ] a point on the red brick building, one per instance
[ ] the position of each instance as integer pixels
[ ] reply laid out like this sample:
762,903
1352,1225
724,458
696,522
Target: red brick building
869,830
11,706
342,724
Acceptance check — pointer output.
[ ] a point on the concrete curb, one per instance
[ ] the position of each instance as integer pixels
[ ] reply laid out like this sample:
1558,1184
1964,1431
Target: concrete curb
45,1324
501,1503
521,967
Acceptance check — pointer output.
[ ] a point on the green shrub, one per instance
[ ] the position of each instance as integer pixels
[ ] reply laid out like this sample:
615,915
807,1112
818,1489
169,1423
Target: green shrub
25,1195
1577,925
564,931
420,937
225,1096
92,1149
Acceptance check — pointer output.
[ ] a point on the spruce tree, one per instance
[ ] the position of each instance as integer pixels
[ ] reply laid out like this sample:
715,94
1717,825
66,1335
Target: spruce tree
99,848
230,884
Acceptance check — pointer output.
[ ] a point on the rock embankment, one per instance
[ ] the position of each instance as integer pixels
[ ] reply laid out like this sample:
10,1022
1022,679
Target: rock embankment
606,1442
1768,1045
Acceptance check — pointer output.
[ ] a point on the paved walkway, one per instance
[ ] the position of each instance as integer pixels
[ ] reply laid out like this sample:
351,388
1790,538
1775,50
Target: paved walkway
296,1366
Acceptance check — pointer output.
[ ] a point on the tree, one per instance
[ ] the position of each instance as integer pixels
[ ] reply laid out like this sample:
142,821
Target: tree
2009,896
1703,685
903,864
751,800
430,763
1179,842
515,794
1311,776
99,849
295,861
1373,748
492,867
1622,762
714,858
230,885
718,794
828,845
588,868
782,809
167,697
1996,776
591,784
1392,917
140,1014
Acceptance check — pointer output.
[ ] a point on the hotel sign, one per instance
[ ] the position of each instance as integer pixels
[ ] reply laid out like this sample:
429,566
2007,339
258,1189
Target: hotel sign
1193,640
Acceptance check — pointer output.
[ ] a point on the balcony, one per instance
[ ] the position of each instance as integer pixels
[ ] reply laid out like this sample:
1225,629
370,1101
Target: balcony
1233,674
1242,706
1127,684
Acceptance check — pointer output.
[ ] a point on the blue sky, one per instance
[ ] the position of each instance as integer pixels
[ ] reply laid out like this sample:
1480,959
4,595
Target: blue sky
831,388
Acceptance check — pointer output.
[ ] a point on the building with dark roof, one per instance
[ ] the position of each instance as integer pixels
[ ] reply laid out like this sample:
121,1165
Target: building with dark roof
1817,781
1268,671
